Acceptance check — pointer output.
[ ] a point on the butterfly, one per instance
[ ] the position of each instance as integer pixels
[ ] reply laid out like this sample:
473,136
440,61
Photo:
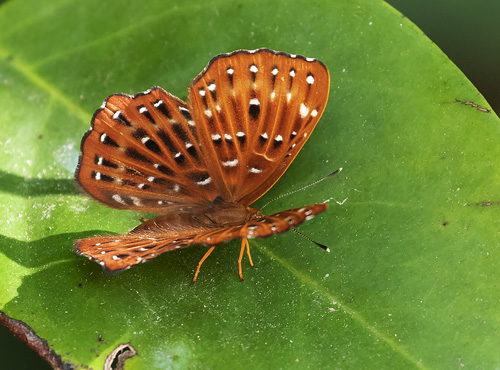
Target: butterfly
200,164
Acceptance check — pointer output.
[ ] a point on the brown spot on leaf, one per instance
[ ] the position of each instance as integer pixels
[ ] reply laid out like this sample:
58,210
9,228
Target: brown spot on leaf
116,360
474,105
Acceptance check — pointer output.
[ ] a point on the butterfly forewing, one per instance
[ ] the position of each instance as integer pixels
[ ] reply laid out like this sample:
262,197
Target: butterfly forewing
255,110
142,153
264,226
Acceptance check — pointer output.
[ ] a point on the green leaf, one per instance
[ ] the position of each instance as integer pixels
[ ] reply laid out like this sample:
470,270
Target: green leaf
412,223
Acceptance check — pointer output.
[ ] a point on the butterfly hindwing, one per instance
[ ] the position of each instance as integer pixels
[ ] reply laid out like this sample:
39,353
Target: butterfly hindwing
116,253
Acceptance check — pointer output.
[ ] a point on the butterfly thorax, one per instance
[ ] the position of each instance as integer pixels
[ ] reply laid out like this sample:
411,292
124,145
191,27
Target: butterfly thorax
213,215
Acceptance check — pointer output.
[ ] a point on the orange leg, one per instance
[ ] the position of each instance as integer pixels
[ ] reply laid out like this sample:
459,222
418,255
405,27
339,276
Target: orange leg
241,257
201,262
248,252
244,245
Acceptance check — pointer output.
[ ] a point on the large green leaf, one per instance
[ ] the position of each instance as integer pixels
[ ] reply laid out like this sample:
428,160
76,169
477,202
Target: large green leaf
413,218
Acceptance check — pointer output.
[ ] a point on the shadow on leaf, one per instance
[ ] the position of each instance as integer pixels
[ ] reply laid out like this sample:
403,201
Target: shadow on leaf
10,183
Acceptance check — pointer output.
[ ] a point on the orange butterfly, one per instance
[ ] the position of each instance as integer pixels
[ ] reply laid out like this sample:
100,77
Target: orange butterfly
201,164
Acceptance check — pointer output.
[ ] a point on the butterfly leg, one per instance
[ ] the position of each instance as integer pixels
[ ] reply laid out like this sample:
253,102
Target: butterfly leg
244,245
201,262
245,240
241,257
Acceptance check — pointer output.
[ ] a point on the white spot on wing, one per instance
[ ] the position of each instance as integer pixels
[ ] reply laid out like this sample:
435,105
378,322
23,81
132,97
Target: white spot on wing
254,69
254,101
136,201
118,199
142,110
202,92
303,111
228,137
254,170
208,113
232,163
310,79
314,113
158,103
216,137
292,73
211,87
230,71
117,114
275,71
273,94
288,96
207,181
103,137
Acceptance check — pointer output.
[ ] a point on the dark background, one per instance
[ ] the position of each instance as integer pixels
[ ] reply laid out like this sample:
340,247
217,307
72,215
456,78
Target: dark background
467,31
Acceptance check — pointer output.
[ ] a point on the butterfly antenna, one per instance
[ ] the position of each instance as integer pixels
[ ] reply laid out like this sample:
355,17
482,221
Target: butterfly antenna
312,241
302,188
